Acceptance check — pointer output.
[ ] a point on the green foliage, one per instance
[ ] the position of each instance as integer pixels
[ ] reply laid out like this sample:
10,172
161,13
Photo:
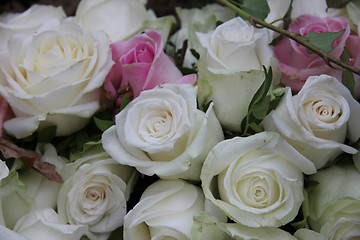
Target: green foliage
257,8
286,22
347,76
337,3
260,105
323,40
47,134
124,101
103,125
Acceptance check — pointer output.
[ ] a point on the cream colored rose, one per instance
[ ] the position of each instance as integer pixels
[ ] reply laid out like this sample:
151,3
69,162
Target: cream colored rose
231,69
95,192
334,202
162,132
27,22
197,20
53,77
317,120
120,19
259,178
165,211
44,224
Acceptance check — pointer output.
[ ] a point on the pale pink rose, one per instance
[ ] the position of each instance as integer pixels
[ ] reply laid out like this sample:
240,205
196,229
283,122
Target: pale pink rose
141,64
297,65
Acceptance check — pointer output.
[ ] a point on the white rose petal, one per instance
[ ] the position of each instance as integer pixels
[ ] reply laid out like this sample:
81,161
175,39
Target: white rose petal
27,22
95,192
165,211
197,20
108,14
317,120
260,179
232,57
334,210
46,224
162,132
53,77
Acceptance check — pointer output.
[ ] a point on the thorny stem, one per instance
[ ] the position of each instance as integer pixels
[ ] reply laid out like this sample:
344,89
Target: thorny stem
294,36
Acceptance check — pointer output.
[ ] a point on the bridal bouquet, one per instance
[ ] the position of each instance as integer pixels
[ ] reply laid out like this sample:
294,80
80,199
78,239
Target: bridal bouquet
236,120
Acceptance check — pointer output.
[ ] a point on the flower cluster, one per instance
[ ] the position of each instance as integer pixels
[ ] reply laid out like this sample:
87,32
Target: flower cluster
236,122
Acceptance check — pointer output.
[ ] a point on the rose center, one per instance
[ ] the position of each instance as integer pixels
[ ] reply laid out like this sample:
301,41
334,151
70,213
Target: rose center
324,111
95,193
159,126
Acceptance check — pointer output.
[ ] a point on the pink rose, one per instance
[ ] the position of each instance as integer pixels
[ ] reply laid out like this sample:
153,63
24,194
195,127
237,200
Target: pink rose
297,65
141,64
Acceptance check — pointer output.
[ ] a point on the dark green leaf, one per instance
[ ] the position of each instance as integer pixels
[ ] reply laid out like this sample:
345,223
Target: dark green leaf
195,53
337,3
286,22
349,81
187,71
347,77
64,143
287,16
255,127
103,125
260,109
47,134
264,88
345,56
323,40
124,101
257,8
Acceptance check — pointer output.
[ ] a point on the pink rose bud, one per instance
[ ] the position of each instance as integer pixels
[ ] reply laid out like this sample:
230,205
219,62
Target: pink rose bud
297,65
141,64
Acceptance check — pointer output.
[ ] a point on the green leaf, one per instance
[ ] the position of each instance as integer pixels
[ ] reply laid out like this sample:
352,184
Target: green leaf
47,134
124,101
345,55
347,77
195,53
323,40
349,81
255,127
337,3
103,125
264,88
286,22
260,109
257,8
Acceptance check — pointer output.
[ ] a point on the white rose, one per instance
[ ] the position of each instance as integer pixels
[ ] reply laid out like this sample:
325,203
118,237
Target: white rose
334,203
162,132
7,234
120,19
197,20
260,179
4,172
307,234
25,189
230,69
165,211
27,22
95,192
53,77
209,228
44,224
317,119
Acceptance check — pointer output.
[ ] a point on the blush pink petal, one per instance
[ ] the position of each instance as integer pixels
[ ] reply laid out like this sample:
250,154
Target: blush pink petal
296,64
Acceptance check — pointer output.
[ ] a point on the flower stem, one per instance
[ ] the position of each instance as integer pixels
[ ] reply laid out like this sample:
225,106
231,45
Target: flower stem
294,36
